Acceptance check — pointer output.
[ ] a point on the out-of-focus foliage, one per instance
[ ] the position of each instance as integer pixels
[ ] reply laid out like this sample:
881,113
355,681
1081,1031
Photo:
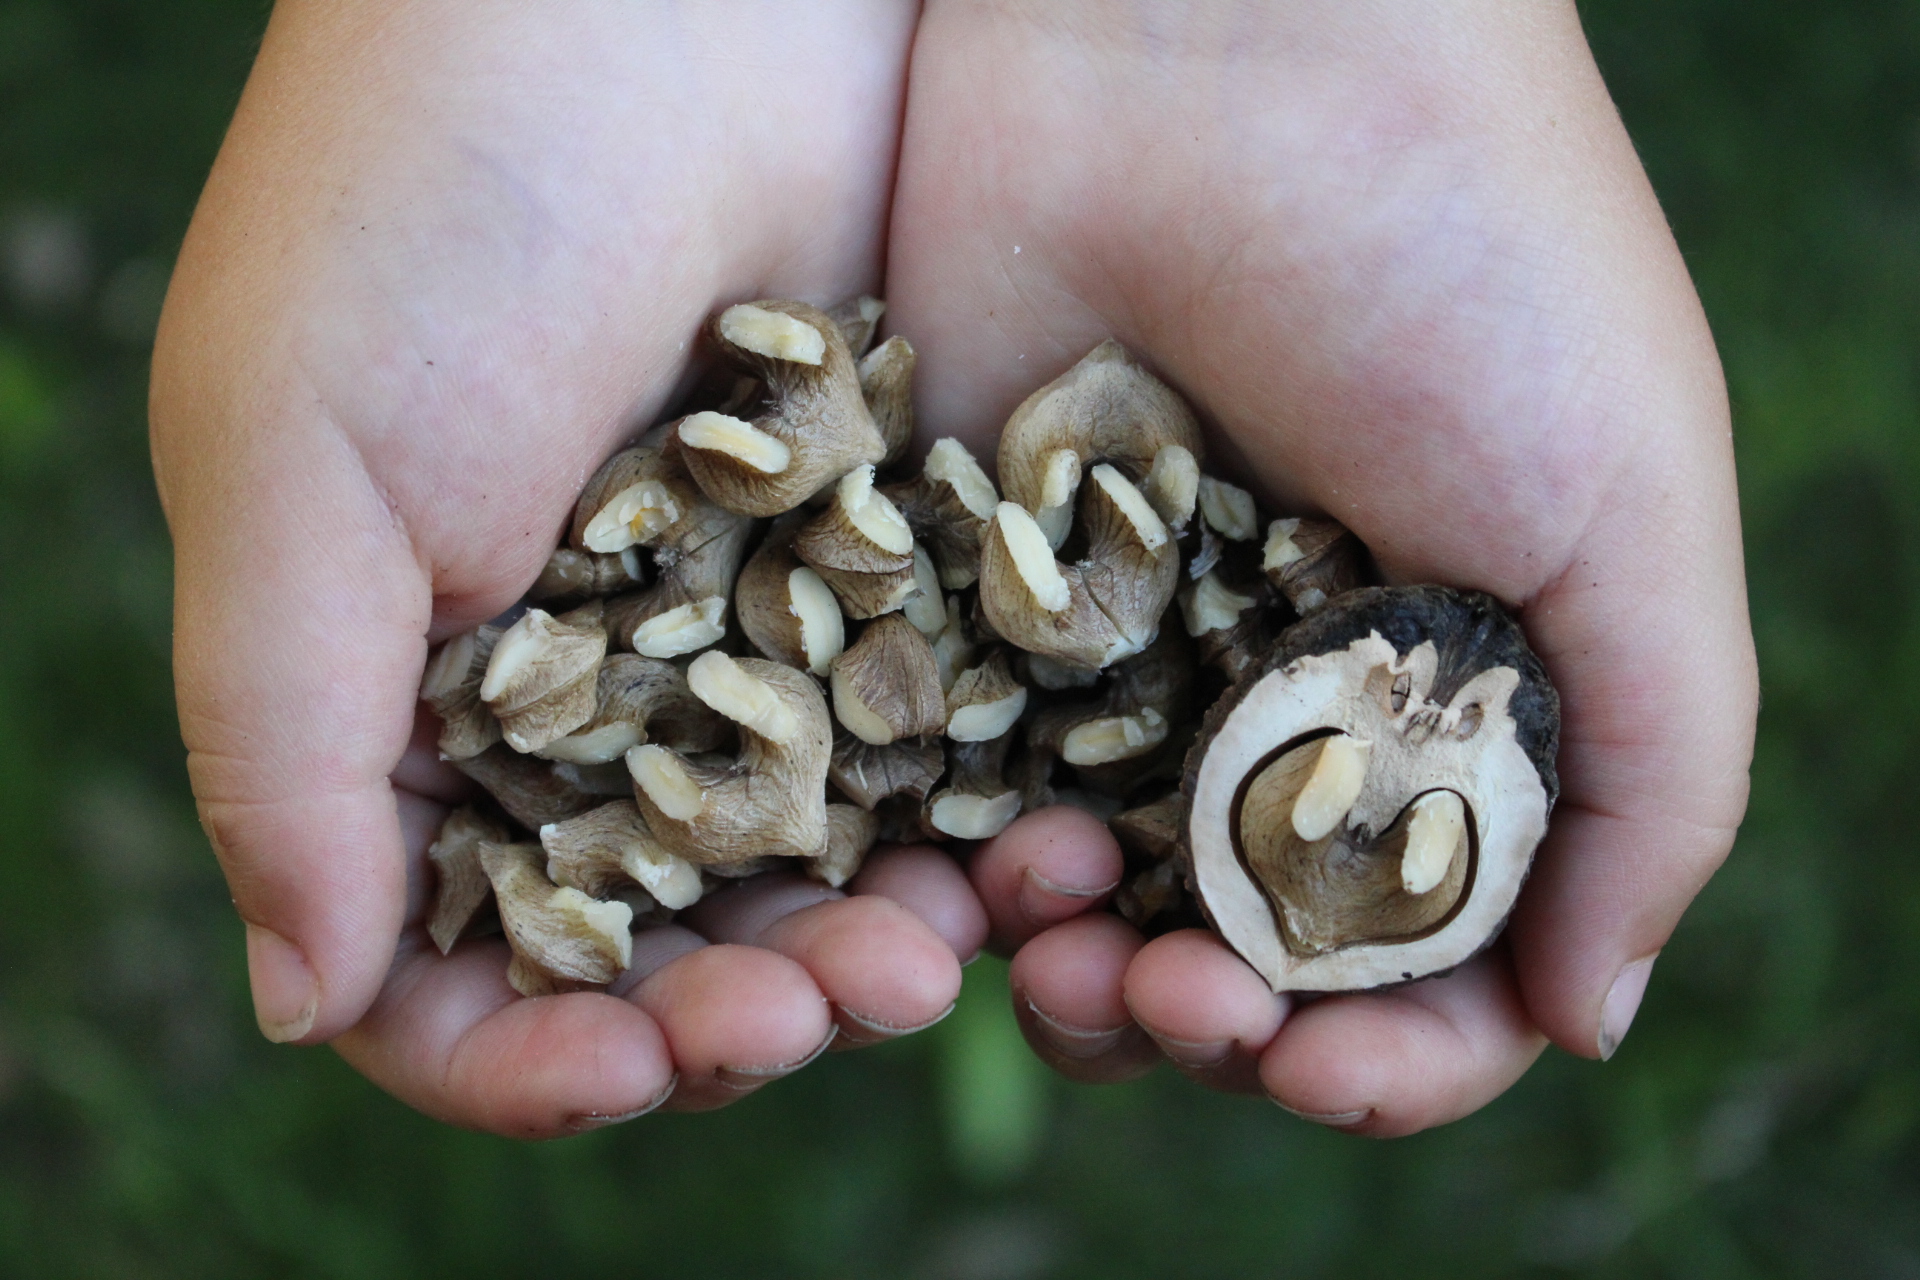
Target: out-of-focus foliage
1763,1118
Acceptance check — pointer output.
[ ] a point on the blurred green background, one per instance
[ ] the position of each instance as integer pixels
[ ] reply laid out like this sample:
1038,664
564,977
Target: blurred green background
1763,1119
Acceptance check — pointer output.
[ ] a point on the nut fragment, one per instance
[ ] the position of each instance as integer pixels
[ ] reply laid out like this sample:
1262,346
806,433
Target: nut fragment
1119,740
698,556
638,699
986,701
1104,409
861,546
858,319
1173,485
1094,613
771,799
887,686
1436,827
786,609
976,803
953,647
1307,846
867,774
574,575
541,676
533,791
1228,510
851,832
816,411
630,500
451,687
948,506
561,933
1309,561
1231,628
1152,831
461,887
886,381
611,846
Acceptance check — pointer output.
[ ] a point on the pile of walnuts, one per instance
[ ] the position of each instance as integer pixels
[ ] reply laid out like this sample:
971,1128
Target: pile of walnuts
766,643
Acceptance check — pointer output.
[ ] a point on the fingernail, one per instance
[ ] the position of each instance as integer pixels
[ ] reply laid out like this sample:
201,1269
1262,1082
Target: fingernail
1076,1042
1036,888
286,996
1194,1054
1331,1119
588,1121
747,1079
889,1030
1622,1002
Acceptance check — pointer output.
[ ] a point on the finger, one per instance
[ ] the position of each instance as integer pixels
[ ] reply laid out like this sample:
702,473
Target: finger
885,971
1205,1007
1389,1063
930,884
1067,986
1047,867
736,1019
1657,715
450,1037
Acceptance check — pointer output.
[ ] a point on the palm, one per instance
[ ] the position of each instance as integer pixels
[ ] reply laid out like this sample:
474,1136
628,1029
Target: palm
1457,340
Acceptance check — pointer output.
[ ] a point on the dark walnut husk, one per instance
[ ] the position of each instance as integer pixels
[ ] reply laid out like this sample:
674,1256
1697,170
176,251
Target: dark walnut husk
1364,809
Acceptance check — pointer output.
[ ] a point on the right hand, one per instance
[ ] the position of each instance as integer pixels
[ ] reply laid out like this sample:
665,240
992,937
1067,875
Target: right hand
448,259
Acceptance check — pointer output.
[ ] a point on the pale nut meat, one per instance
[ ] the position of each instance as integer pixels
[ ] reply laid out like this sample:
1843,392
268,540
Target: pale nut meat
815,426
461,887
861,547
561,933
1228,510
1106,408
1364,808
541,677
1174,486
954,646
770,800
887,686
630,500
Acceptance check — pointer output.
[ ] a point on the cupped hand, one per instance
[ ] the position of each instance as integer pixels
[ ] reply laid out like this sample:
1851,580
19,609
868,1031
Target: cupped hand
1402,258
449,258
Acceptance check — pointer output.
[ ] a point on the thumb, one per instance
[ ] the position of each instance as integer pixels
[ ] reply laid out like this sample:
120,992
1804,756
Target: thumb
300,623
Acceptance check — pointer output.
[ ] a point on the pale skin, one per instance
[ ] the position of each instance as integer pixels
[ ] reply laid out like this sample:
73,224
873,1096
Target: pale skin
1400,256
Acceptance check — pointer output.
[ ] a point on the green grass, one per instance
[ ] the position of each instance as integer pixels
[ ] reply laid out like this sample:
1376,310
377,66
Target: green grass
1762,1120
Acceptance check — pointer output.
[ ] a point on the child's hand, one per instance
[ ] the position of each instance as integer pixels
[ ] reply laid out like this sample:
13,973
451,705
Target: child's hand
449,258
1402,254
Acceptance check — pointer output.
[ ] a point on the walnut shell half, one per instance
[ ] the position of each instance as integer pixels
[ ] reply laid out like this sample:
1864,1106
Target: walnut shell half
1363,809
